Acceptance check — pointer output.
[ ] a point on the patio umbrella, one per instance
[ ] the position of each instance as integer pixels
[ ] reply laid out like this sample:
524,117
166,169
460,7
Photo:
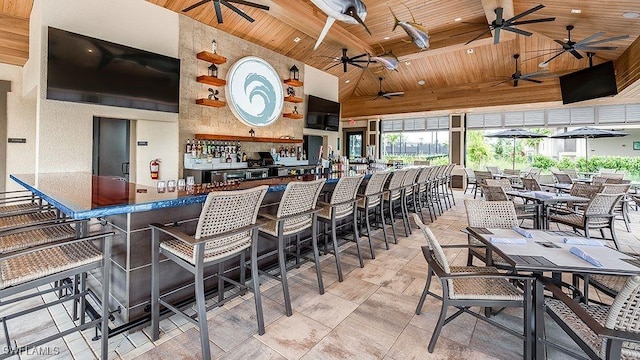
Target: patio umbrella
515,134
587,133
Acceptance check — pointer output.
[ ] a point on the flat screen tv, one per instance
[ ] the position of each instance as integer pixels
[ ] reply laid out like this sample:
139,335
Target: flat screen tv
322,114
87,70
590,83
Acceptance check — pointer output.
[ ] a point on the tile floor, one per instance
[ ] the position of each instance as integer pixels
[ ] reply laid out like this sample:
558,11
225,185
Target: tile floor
370,315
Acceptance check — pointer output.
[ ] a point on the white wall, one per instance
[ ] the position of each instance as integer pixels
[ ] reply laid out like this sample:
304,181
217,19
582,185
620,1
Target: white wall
622,146
321,84
159,136
64,129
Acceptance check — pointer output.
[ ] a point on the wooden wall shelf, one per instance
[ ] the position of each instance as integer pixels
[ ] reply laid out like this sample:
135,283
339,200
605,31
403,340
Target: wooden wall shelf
293,99
293,82
247,139
211,57
210,80
212,103
292,116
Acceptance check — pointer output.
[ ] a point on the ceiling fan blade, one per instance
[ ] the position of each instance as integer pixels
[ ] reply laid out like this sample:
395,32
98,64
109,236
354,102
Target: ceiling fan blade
479,36
386,96
237,11
532,80
532,21
332,66
467,32
195,5
517,31
499,13
501,82
359,56
592,37
358,65
615,38
551,58
576,54
525,13
545,54
596,48
397,93
216,6
247,3
534,74
496,36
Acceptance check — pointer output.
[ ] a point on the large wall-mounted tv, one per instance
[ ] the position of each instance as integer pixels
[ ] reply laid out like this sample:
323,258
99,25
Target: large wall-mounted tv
87,70
322,114
590,83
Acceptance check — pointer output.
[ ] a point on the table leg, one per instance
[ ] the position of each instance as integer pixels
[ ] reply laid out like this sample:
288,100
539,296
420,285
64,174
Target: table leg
538,321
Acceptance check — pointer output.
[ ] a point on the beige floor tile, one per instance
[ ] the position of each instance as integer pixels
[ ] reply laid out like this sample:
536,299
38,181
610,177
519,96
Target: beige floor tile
293,336
327,309
252,349
386,310
183,346
353,289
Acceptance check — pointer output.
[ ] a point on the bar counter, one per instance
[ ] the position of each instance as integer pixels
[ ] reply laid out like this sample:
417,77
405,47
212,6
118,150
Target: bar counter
128,209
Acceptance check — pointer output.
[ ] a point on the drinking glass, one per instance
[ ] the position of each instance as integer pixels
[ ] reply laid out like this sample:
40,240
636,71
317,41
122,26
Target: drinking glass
181,184
162,186
171,185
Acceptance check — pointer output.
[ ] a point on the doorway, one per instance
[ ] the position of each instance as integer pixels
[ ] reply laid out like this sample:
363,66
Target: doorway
111,147
354,144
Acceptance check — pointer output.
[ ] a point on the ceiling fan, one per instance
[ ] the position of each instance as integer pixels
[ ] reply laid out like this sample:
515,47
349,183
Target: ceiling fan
587,45
227,3
508,25
385,94
517,75
358,61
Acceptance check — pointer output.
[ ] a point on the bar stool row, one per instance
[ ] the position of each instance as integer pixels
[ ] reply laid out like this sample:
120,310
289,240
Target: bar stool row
230,222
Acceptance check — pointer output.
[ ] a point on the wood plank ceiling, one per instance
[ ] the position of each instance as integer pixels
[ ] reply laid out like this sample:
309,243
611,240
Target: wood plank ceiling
452,76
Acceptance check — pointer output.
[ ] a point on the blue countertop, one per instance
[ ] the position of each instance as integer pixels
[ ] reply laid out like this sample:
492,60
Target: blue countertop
84,196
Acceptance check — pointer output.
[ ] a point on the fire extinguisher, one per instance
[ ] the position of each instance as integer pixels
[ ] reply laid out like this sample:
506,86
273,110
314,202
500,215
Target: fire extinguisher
154,168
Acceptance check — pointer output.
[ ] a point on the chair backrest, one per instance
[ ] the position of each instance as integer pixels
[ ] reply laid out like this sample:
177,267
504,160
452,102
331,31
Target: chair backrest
615,188
470,173
511,172
531,184
493,169
584,190
424,175
299,196
494,193
449,169
533,172
491,214
229,210
607,171
396,179
376,183
433,245
616,181
503,183
410,178
613,176
598,180
571,172
345,190
562,178
623,316
481,176
602,204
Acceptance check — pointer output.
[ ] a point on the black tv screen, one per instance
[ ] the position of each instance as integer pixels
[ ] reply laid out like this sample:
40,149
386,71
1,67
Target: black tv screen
87,70
322,114
590,83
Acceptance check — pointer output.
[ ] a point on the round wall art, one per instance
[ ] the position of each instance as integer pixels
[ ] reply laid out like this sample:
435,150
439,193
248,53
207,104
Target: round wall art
254,91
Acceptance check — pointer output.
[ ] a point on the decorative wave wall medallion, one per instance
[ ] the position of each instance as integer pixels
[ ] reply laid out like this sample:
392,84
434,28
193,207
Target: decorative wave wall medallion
254,91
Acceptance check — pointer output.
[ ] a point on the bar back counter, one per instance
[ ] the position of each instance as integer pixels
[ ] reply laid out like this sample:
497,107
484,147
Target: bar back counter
128,209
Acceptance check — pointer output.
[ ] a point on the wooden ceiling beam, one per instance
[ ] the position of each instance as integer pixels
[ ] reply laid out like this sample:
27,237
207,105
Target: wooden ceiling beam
14,40
628,68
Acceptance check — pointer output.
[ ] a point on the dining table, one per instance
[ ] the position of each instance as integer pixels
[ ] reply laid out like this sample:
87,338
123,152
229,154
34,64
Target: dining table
540,251
544,200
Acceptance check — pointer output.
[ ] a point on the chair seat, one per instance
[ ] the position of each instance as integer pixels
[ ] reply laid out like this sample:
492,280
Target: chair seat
224,247
299,223
392,195
25,219
613,283
26,239
10,209
577,220
373,202
598,313
484,288
342,211
31,266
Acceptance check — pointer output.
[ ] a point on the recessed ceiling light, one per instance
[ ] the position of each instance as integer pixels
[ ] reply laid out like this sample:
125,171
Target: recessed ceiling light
387,38
631,15
347,81
469,51
457,19
407,63
576,11
297,40
421,82
90,50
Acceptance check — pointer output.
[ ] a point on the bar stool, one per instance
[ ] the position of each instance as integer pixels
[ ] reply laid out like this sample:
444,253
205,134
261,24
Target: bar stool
343,203
373,198
226,228
392,194
408,194
296,213
24,269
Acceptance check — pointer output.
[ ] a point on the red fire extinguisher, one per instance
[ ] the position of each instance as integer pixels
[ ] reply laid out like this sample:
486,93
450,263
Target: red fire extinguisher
154,167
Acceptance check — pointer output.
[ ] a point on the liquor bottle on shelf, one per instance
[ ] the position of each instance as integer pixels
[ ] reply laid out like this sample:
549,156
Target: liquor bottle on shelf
194,150
298,154
188,147
228,158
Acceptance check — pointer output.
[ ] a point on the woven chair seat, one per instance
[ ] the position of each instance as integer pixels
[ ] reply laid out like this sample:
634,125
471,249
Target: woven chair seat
342,211
38,264
25,219
291,226
613,283
484,288
214,250
393,195
10,209
599,313
26,239
373,202
578,220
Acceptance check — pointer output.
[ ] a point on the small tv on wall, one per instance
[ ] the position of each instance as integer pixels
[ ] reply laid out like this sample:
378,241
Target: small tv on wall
88,70
322,114
590,83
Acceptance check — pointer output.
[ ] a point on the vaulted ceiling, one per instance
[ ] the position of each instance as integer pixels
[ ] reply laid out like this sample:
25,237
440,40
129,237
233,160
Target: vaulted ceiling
454,76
